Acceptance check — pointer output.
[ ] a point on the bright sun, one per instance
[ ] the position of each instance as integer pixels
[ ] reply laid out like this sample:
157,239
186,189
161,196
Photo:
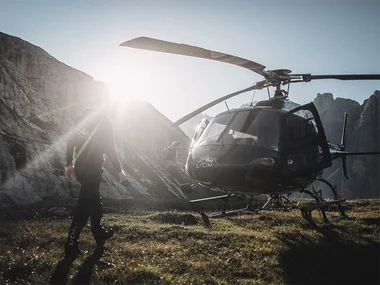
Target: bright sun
126,76
122,84
139,76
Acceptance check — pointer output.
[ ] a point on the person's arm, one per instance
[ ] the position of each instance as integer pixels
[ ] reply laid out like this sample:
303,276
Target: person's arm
69,169
110,151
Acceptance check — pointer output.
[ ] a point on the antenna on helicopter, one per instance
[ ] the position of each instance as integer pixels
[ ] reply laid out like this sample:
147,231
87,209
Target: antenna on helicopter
253,96
225,102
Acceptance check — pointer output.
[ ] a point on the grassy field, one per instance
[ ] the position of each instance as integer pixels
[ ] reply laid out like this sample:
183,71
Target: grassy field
173,247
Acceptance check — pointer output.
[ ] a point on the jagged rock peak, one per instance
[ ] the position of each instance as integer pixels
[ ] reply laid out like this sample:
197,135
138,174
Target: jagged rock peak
363,130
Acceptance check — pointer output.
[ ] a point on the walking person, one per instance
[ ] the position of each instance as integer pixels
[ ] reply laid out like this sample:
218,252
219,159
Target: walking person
92,138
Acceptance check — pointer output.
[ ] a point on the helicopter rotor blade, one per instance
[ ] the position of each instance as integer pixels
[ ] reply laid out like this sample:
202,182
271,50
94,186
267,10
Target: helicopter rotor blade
309,77
188,50
258,85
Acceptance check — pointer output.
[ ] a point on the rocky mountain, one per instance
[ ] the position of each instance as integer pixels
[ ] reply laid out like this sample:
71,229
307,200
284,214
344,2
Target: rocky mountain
363,135
39,98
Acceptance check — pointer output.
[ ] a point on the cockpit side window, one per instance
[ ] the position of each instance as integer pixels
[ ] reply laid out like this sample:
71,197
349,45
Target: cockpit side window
215,129
247,127
265,127
199,130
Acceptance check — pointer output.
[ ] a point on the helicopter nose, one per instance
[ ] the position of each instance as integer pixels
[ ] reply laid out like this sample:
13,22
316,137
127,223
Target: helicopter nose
263,163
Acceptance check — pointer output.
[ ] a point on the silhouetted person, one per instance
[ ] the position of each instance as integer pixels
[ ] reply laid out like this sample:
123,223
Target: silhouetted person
92,137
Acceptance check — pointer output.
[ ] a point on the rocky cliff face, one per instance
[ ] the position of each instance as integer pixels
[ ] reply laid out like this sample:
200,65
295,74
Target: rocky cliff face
363,135
39,98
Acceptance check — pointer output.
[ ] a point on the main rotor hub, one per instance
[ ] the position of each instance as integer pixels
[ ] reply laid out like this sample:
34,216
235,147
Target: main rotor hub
281,72
278,76
279,93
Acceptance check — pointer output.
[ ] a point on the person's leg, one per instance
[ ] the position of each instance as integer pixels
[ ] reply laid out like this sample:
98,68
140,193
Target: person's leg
80,218
96,209
96,212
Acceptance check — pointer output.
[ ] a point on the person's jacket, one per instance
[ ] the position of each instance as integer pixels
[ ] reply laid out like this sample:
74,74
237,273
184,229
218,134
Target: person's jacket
92,137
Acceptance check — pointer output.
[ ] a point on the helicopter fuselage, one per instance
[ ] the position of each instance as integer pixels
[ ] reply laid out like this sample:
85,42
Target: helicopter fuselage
259,150
243,169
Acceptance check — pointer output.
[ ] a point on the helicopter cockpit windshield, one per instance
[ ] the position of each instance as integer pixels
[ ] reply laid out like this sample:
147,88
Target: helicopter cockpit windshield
256,127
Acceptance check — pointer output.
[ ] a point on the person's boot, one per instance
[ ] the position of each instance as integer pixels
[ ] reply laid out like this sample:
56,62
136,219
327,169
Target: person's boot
72,250
101,235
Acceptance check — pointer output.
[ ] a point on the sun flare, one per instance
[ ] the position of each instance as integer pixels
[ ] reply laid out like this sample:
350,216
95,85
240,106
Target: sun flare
130,76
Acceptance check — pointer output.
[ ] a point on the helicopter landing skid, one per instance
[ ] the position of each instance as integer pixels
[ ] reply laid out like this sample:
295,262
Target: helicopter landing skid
224,213
323,207
278,201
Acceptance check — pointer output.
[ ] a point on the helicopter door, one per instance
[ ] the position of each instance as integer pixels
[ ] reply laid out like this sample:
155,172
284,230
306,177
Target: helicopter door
303,148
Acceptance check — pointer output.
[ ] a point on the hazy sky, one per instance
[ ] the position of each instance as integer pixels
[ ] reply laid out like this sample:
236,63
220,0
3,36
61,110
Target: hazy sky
318,37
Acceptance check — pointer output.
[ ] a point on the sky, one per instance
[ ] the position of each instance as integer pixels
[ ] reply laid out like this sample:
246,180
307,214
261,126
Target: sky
318,37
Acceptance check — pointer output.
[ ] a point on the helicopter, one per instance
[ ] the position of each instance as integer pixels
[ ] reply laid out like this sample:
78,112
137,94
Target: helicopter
275,147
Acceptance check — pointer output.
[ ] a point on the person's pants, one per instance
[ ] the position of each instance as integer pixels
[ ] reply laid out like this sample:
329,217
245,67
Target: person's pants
89,205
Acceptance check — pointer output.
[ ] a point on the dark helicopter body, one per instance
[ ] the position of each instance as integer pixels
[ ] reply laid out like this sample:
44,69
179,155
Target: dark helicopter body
249,150
270,148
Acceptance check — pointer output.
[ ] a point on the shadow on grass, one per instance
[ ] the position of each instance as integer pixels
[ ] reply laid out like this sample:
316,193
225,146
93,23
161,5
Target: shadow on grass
86,270
61,272
330,261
